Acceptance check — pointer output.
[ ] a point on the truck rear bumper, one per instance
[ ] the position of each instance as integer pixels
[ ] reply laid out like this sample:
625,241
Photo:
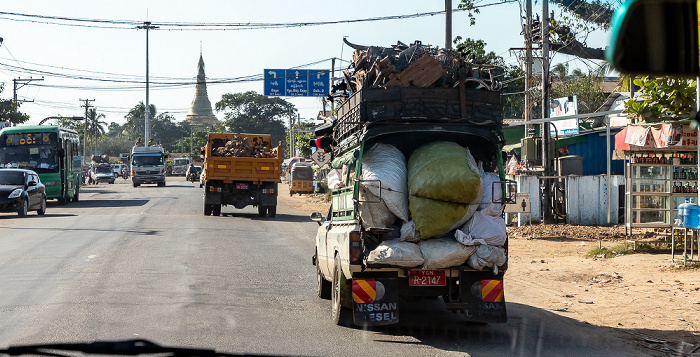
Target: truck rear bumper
479,295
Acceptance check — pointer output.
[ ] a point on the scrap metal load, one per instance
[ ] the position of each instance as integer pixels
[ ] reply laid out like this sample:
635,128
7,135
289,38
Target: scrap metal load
416,65
244,146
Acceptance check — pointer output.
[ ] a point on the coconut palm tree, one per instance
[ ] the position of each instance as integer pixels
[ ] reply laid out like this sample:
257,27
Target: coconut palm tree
95,126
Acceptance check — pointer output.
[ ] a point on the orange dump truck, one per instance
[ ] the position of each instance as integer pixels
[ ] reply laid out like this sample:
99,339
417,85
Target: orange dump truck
241,170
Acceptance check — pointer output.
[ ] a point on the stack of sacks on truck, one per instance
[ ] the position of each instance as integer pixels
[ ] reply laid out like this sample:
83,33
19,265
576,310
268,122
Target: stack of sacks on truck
441,202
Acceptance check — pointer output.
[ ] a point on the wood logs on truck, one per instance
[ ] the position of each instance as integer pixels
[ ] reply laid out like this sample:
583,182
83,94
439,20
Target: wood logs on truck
415,65
240,146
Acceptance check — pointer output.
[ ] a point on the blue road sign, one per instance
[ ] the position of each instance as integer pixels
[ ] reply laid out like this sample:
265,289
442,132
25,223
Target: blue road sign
296,82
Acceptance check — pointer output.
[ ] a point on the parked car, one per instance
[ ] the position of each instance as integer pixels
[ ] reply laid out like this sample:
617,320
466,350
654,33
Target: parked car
21,191
102,173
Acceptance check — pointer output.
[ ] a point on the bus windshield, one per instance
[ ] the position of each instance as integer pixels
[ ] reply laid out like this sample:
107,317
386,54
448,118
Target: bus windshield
42,158
148,160
181,162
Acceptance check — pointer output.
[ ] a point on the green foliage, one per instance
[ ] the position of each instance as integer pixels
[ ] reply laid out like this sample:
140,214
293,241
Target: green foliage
585,86
664,98
9,110
603,252
302,139
598,13
254,113
476,50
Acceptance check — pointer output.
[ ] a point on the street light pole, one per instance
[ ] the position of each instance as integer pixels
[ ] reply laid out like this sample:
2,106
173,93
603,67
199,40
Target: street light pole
147,122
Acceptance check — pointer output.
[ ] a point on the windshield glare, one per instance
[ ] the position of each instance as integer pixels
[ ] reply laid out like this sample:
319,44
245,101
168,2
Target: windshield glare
147,160
11,178
38,158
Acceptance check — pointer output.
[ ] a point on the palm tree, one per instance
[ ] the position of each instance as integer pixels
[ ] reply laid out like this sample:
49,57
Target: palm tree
95,127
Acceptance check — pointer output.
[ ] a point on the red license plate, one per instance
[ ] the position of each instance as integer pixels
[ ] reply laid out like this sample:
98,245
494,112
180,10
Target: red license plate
427,278
241,186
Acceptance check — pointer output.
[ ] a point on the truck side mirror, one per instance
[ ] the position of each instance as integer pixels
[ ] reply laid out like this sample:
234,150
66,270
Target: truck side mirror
655,37
317,217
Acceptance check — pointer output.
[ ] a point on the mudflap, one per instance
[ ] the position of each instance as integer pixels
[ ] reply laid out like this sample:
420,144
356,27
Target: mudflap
375,298
481,297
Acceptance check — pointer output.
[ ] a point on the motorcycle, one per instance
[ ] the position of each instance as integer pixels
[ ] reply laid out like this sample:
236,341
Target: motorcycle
125,174
191,176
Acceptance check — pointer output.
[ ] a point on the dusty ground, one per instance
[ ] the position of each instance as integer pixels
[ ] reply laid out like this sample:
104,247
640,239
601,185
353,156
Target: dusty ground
641,294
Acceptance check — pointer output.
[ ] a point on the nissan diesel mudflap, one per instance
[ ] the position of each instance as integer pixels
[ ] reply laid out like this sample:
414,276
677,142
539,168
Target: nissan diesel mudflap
479,295
375,298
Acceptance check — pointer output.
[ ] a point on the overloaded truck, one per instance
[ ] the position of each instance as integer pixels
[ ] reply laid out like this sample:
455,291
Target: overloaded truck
418,191
241,170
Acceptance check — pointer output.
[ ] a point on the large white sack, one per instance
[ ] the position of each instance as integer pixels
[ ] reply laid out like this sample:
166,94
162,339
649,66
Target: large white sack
443,252
387,164
483,228
487,256
408,231
373,212
487,180
334,179
396,253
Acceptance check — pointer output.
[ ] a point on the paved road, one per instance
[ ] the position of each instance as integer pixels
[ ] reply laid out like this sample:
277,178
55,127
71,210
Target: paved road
144,262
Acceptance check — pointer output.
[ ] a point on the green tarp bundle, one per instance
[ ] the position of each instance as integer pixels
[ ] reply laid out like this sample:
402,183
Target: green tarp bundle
443,179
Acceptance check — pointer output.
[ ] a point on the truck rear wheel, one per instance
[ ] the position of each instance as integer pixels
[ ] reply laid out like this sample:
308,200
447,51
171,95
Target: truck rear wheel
323,286
262,211
216,209
271,211
207,209
339,314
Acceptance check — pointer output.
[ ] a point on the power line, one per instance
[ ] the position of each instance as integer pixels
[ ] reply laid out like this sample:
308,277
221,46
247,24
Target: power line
181,26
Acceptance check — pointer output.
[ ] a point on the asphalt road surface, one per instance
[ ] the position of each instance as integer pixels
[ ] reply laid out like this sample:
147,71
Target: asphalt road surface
144,262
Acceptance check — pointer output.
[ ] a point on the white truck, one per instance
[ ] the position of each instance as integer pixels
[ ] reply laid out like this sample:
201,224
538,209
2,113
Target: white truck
406,118
180,166
148,165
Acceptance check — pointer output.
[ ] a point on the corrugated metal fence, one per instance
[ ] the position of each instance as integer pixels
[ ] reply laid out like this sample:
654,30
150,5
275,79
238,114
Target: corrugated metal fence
586,199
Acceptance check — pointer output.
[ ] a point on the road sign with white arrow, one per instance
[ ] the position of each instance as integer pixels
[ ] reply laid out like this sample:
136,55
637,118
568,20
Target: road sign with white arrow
296,82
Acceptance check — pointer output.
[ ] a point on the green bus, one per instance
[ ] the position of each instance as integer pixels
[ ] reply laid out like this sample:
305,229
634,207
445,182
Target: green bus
51,151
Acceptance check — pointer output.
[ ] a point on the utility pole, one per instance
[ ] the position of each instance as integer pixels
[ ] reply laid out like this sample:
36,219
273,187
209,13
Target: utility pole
86,106
448,24
147,122
291,147
22,82
544,130
529,129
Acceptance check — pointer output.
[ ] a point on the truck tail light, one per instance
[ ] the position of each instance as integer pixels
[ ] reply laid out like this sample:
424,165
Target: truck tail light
355,248
268,190
214,189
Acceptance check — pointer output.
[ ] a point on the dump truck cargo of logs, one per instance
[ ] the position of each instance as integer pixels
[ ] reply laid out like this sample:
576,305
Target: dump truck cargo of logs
417,187
241,170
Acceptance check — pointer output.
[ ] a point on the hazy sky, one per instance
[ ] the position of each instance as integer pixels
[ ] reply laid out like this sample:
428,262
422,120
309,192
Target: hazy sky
107,64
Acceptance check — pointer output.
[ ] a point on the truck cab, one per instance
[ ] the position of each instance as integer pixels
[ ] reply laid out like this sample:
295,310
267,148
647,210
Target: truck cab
148,165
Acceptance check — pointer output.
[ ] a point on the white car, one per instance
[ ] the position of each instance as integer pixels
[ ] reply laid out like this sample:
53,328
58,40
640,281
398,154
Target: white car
117,169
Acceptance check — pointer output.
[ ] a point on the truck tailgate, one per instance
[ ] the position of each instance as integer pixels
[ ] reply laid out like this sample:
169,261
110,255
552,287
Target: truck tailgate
229,169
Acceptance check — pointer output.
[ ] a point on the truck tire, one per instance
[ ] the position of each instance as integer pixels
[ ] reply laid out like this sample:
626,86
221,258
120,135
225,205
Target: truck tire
262,211
161,184
207,209
339,314
136,184
323,286
76,197
271,211
216,210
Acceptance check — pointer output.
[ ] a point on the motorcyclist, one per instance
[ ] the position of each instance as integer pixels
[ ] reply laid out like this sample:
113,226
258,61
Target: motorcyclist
191,172
124,172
